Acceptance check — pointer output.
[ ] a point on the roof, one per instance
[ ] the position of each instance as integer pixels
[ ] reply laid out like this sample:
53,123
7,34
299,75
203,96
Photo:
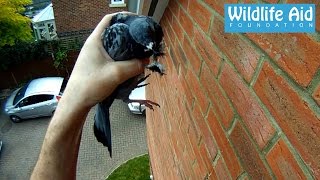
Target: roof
45,15
50,85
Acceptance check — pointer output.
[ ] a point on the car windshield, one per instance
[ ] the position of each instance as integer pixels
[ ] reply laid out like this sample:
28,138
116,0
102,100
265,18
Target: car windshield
20,94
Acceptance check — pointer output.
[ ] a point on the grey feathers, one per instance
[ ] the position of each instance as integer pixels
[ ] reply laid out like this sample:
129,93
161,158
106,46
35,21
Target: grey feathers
128,37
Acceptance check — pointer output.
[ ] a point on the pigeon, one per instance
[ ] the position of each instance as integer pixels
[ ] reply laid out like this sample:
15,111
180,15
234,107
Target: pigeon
128,36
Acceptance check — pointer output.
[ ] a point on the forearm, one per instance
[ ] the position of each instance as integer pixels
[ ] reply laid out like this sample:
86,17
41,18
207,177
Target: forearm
58,156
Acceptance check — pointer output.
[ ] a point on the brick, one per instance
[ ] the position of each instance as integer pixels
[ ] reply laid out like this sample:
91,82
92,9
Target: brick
201,15
166,39
174,7
73,16
241,53
197,91
169,65
207,51
248,107
174,58
316,95
227,152
218,5
184,3
171,36
316,2
177,29
168,15
186,22
183,60
282,162
201,98
293,115
219,102
207,158
221,170
250,159
272,1
204,131
297,54
187,92
191,55
194,137
199,171
193,131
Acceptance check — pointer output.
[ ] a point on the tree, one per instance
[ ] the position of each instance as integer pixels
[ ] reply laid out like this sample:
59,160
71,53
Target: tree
13,25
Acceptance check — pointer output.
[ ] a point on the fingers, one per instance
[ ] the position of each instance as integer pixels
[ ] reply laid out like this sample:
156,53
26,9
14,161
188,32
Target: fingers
124,70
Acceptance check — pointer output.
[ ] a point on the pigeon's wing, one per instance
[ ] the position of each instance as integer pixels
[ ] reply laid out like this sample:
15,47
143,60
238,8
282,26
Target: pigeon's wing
118,42
101,127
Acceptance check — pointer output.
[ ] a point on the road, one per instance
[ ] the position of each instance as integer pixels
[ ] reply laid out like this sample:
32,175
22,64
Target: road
22,142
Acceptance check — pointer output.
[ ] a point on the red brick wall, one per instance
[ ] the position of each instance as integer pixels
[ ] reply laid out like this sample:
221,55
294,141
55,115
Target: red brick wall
234,105
71,15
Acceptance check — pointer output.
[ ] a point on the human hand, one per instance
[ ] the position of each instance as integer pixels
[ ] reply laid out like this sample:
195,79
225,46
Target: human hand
95,74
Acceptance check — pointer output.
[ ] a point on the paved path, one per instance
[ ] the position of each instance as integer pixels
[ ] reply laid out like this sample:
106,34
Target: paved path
22,144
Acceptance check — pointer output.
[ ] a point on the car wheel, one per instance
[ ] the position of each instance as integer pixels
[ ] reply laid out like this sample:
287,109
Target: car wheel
144,112
15,119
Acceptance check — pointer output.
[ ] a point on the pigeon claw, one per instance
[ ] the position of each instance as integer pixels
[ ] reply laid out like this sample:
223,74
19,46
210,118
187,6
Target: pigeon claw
147,103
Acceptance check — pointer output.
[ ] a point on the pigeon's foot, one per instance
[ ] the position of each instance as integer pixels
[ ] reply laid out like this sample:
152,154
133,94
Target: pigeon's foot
156,67
147,103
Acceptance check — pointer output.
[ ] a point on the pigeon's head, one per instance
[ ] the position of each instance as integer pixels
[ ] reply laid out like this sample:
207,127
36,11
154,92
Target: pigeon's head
148,33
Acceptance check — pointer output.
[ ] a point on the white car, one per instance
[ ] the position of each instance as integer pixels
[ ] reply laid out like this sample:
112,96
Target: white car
138,94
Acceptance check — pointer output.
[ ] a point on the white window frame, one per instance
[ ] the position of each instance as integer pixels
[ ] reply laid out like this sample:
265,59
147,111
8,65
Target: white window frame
117,2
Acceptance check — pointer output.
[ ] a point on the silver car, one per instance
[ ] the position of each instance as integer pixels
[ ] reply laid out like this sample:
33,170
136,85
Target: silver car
37,98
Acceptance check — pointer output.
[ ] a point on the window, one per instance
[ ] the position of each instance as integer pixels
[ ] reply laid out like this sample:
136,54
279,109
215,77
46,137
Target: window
20,94
35,99
117,3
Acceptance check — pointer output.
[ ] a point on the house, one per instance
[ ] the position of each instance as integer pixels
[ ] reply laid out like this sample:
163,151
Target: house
43,24
75,20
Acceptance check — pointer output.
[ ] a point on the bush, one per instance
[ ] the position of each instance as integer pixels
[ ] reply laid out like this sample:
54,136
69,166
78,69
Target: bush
21,52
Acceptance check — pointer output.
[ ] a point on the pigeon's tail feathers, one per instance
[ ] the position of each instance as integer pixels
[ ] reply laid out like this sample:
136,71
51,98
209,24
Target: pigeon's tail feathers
102,128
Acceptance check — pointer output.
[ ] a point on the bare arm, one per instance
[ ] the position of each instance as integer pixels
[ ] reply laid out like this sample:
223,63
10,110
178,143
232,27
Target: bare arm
93,78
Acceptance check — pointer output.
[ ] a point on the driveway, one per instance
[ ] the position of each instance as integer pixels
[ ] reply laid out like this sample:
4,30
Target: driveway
22,142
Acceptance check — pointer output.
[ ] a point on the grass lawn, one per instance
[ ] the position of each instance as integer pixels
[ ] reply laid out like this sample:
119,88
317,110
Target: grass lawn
136,168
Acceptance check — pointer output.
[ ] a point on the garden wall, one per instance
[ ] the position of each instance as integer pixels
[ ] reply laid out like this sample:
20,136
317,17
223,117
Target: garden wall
15,76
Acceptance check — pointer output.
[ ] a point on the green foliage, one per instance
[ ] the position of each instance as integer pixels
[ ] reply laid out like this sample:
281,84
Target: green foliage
14,27
21,52
137,168
60,57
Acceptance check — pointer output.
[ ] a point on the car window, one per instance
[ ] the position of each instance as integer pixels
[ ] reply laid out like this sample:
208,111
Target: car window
35,99
24,102
20,94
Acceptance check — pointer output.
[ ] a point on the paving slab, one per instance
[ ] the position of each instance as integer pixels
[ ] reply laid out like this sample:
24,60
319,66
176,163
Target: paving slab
22,142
